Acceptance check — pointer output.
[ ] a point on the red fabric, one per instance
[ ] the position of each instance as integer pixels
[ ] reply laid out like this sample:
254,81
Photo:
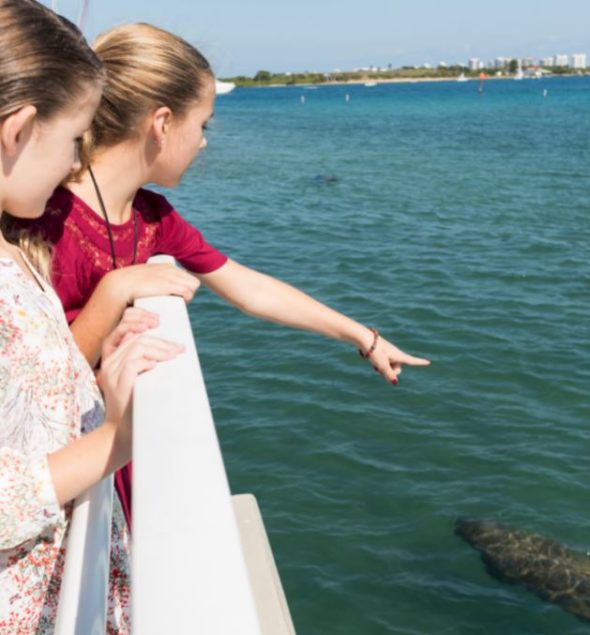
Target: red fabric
123,479
82,256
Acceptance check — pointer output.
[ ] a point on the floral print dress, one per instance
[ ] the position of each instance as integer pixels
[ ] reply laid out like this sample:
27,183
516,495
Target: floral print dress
48,398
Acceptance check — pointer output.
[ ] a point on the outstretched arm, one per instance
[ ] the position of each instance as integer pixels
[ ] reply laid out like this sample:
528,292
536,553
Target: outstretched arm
266,297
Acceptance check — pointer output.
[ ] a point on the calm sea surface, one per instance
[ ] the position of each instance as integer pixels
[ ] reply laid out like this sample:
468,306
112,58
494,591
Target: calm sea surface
459,225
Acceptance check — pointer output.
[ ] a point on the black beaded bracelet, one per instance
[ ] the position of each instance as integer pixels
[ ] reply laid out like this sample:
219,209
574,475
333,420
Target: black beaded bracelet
373,345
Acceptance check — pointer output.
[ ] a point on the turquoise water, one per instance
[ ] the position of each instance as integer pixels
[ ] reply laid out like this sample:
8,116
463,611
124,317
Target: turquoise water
459,225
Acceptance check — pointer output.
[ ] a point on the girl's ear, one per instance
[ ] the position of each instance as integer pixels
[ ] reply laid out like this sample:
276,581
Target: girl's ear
160,125
16,128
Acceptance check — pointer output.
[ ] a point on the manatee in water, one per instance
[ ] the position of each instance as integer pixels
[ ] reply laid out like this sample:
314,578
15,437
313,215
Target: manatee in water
552,571
326,179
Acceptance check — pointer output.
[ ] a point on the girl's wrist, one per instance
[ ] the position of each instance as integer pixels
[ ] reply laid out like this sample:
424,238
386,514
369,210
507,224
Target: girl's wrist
364,338
122,443
114,288
366,351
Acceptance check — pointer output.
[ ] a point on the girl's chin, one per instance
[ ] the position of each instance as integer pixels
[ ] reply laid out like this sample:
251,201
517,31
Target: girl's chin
168,180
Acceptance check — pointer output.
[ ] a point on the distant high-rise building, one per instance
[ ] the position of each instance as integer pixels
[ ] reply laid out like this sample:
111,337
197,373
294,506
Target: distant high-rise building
527,62
561,60
578,60
548,61
474,64
501,62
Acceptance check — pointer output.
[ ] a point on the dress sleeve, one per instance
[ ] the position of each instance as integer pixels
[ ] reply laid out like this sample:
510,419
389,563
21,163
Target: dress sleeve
180,239
28,504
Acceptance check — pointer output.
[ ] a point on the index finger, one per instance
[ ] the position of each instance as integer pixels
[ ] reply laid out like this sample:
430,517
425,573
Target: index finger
414,361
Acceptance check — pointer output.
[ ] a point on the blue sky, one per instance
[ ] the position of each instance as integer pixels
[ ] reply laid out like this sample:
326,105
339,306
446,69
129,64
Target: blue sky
243,36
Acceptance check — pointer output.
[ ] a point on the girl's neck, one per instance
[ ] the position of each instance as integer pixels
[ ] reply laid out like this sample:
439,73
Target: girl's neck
119,173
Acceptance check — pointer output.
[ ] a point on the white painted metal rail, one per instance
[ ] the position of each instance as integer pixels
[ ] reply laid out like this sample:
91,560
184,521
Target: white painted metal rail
84,586
188,570
189,573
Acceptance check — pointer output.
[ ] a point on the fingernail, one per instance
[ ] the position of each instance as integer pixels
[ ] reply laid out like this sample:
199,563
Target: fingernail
395,382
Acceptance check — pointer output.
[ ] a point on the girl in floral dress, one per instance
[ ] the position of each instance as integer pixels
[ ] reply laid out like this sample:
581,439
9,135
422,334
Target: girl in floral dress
150,125
52,444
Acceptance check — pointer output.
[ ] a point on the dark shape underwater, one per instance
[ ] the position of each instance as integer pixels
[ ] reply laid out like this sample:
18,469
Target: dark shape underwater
325,179
554,572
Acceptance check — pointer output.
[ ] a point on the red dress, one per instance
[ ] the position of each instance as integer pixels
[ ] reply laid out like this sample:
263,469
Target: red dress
82,256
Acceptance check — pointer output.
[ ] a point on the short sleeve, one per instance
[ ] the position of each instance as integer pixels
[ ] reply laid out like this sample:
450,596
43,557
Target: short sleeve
178,238
28,503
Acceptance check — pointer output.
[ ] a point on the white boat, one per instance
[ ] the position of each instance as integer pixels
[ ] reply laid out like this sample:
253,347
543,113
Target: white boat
222,88
462,78
370,84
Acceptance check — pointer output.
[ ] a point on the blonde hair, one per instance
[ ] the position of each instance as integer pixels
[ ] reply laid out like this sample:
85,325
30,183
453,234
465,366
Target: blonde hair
146,67
44,62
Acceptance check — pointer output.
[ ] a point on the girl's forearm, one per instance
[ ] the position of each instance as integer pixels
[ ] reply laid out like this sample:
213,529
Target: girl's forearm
284,304
98,318
89,459
267,298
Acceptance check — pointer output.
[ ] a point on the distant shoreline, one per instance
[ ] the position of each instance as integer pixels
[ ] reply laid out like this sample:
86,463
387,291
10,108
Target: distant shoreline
356,81
402,80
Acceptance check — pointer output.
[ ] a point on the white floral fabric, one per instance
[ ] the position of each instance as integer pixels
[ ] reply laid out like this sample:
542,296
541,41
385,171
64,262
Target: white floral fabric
48,398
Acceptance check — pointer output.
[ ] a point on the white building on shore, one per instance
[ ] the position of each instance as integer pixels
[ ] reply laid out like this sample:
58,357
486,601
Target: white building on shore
561,60
578,60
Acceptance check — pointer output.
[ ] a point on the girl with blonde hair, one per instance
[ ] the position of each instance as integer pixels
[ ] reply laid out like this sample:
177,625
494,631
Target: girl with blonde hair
52,444
149,127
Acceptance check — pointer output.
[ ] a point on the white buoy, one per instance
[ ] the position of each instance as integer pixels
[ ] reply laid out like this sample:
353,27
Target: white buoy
302,99
545,92
347,97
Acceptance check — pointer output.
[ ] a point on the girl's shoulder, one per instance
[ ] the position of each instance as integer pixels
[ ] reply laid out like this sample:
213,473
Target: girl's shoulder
60,203
152,206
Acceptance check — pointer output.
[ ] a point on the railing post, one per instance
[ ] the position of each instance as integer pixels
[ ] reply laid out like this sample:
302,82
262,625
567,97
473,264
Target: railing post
83,596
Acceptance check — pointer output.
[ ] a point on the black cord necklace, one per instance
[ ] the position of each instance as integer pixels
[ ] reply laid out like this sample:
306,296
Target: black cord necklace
108,224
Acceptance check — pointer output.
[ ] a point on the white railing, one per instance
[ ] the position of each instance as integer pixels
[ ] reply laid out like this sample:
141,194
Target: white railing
84,586
188,570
